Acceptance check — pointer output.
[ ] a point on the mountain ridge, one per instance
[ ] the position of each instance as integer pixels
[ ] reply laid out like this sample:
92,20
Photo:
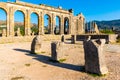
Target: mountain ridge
108,24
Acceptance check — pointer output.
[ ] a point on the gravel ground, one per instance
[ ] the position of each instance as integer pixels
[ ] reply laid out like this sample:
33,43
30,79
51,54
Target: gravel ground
16,63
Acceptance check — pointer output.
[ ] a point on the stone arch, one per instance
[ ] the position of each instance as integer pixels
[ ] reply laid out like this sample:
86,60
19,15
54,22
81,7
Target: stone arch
34,23
36,12
3,24
66,25
19,28
4,9
57,25
47,24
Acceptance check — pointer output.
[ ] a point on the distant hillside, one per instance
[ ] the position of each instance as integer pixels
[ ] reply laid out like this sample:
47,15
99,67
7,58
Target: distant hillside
109,24
16,23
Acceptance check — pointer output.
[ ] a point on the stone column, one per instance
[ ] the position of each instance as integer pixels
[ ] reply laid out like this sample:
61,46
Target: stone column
56,51
62,38
49,24
94,57
27,23
11,21
41,22
53,24
73,39
39,25
8,24
62,25
83,29
70,22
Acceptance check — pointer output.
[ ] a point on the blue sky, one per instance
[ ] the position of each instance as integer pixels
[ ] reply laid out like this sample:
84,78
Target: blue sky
92,9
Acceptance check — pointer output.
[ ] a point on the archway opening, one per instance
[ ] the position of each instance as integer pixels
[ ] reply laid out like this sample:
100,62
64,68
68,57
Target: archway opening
34,23
66,25
3,22
47,24
19,27
57,26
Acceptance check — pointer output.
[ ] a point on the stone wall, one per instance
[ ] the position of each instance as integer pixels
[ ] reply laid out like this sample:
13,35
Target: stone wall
30,38
113,38
76,23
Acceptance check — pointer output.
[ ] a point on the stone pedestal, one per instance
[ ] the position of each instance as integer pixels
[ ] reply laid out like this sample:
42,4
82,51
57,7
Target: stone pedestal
94,57
18,32
56,51
36,45
4,33
73,39
62,38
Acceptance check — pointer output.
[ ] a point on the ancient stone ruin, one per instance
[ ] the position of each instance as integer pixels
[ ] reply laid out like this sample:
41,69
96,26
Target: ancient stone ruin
18,32
96,28
36,45
4,33
65,16
94,57
73,39
62,38
56,51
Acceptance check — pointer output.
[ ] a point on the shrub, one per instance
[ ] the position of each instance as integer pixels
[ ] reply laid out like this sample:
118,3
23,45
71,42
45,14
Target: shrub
22,29
34,29
107,31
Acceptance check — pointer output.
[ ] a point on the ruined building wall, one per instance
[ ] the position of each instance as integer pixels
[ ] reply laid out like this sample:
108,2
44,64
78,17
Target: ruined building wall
79,24
76,23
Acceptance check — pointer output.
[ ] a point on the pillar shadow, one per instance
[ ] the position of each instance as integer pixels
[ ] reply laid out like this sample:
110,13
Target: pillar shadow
22,50
47,60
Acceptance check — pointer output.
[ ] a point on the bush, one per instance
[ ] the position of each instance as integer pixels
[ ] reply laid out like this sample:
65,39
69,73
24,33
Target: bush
107,31
22,29
34,29
118,40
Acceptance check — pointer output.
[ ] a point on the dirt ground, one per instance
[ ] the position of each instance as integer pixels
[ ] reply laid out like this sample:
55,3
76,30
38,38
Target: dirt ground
16,63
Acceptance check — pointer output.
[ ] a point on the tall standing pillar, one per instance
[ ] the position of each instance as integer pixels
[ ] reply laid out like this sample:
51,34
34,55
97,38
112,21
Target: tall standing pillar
41,23
62,25
8,28
53,24
70,22
11,21
27,23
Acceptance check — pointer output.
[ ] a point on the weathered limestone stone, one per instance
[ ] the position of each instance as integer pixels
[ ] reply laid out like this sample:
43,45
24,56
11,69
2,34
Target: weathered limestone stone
113,38
56,51
33,33
76,23
18,32
73,39
94,57
36,45
96,28
4,33
62,38
118,36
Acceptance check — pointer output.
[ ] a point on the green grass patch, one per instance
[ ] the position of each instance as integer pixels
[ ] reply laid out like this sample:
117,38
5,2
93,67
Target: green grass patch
27,65
118,40
107,31
44,66
43,52
97,75
17,78
61,60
